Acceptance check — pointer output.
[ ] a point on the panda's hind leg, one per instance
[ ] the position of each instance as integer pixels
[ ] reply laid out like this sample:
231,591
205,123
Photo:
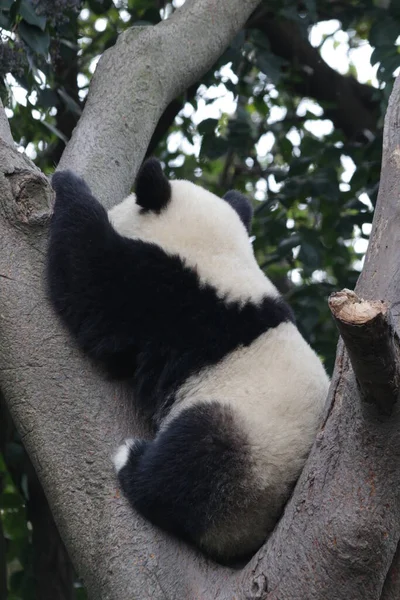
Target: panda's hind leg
131,450
193,479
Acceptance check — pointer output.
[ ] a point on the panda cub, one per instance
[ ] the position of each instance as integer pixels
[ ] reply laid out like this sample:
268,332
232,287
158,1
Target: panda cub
164,291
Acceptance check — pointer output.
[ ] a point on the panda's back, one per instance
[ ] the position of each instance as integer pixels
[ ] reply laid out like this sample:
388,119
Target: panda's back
278,376
275,388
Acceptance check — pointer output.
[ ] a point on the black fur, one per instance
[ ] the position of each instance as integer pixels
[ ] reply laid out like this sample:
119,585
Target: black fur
153,190
139,312
241,205
144,316
193,476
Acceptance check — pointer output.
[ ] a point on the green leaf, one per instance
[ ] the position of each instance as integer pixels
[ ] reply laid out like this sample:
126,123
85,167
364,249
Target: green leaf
80,594
270,64
381,53
6,4
99,7
10,500
14,523
29,14
37,40
325,184
311,9
213,148
384,32
47,98
299,166
310,255
5,20
285,246
388,66
239,134
207,126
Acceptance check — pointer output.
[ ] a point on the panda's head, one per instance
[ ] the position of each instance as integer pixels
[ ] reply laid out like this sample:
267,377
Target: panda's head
182,208
154,193
209,233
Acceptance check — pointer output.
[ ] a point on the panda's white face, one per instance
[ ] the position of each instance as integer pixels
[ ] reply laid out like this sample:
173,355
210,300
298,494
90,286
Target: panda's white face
205,231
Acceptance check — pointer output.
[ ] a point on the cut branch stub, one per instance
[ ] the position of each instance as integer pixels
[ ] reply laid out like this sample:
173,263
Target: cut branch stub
372,342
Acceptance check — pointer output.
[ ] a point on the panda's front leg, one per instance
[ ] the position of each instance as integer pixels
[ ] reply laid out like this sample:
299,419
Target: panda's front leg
87,265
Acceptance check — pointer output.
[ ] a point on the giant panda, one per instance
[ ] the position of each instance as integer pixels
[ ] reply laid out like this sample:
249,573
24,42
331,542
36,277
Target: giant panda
164,292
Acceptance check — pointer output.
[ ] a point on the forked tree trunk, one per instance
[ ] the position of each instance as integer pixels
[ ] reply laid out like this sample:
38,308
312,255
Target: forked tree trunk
339,533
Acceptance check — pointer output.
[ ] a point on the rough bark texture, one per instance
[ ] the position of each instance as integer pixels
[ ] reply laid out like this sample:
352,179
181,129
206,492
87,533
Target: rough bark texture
5,131
339,533
340,530
367,330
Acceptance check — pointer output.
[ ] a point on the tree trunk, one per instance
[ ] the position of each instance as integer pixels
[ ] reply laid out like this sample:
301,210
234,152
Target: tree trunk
340,530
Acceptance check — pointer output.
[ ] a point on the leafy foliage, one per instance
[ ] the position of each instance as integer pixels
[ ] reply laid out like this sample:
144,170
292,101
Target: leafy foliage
15,527
313,187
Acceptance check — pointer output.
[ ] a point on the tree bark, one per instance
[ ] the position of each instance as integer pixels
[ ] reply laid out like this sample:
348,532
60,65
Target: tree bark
5,131
339,533
372,343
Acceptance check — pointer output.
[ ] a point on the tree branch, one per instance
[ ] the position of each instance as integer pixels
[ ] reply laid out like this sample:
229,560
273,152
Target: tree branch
135,81
168,117
379,277
5,131
340,531
367,330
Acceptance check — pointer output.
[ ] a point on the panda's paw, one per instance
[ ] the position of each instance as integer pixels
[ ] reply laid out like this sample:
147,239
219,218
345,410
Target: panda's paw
121,456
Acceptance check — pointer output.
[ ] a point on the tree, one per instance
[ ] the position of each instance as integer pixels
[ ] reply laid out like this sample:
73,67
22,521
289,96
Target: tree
66,414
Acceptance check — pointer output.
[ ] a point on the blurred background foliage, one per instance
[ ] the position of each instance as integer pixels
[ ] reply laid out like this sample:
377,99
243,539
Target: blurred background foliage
291,114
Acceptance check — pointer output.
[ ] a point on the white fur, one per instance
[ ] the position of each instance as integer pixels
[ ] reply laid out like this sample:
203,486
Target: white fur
206,232
121,456
276,386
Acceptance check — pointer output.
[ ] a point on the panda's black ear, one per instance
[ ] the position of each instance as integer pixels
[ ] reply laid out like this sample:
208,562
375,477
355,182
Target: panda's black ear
153,190
242,205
